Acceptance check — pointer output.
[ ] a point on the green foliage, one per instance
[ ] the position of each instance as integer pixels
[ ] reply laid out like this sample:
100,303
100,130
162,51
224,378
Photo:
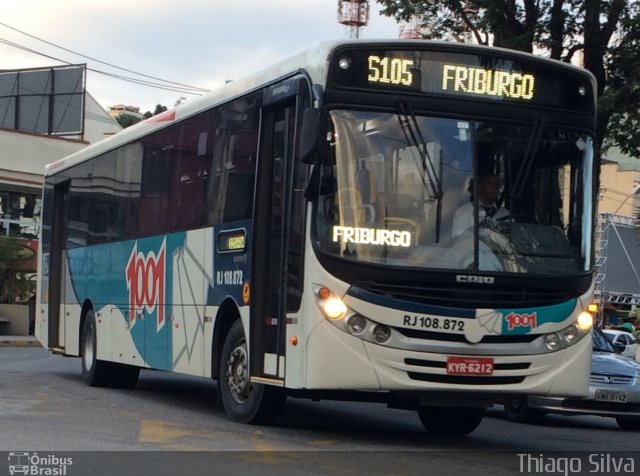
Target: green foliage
620,102
127,120
158,110
16,284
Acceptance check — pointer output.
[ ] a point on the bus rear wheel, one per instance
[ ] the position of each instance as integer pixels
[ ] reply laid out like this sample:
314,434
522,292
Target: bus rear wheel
100,373
96,373
243,400
450,421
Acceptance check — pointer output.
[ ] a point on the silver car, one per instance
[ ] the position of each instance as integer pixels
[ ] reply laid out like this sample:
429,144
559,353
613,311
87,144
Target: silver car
614,391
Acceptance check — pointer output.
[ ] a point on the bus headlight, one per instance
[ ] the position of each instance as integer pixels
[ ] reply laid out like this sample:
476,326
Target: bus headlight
356,324
334,308
585,321
552,341
570,334
381,333
330,304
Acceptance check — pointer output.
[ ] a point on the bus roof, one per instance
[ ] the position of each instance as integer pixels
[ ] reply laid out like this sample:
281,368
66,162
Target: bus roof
312,61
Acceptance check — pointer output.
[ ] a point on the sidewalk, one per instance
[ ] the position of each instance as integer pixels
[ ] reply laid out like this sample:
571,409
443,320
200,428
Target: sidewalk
19,341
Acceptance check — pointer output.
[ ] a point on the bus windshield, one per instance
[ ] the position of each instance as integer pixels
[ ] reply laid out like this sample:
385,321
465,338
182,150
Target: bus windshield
408,190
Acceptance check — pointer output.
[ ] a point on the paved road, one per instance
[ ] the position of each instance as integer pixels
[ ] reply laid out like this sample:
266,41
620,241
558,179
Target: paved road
45,407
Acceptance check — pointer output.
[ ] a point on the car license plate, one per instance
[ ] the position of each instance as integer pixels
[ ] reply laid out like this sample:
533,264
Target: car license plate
469,366
611,396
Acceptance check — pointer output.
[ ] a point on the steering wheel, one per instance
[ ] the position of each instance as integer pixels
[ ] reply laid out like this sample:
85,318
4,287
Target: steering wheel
518,219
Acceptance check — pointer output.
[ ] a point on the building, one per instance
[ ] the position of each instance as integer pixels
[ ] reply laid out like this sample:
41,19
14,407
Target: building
121,109
39,124
617,281
23,156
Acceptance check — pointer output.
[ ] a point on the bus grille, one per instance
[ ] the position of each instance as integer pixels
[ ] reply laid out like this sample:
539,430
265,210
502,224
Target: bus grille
445,337
464,379
465,296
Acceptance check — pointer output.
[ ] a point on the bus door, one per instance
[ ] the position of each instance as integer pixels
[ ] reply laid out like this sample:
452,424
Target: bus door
57,265
270,235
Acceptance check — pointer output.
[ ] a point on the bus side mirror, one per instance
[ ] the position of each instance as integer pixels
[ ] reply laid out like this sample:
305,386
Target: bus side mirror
308,135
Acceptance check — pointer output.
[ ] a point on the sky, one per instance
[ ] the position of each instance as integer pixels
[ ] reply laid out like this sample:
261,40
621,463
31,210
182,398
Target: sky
200,43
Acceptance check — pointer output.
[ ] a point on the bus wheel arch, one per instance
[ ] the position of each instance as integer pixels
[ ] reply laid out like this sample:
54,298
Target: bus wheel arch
227,314
244,401
96,372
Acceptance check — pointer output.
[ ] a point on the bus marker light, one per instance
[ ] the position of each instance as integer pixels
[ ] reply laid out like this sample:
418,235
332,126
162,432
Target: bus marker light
324,293
593,307
344,63
293,340
246,293
585,321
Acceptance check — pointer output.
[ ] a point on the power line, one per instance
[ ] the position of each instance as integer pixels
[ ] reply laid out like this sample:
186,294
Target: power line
183,88
106,73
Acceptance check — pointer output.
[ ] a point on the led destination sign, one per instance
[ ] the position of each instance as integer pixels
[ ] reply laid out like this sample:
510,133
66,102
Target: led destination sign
462,79
482,76
455,79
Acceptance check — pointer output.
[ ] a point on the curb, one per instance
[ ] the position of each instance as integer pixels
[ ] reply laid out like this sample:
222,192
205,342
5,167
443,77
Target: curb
11,341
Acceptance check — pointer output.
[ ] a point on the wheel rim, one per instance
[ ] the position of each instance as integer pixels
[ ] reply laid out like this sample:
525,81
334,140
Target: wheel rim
237,373
88,350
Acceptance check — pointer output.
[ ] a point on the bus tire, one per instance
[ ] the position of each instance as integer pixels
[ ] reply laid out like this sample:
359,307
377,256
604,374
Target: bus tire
516,408
451,421
95,373
243,401
628,423
124,376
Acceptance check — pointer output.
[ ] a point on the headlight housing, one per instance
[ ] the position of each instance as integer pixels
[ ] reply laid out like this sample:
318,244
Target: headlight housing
340,315
568,336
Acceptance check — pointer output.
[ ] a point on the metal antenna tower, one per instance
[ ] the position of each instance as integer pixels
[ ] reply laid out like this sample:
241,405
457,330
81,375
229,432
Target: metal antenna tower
354,14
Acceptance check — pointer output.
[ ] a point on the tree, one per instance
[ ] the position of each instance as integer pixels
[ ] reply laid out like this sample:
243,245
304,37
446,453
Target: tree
158,110
620,102
559,27
127,120
17,282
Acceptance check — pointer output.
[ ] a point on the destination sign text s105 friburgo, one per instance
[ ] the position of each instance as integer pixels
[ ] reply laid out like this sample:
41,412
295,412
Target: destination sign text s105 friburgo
448,72
455,79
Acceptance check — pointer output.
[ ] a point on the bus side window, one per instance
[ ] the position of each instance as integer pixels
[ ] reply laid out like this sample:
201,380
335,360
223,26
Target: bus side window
191,174
238,204
231,177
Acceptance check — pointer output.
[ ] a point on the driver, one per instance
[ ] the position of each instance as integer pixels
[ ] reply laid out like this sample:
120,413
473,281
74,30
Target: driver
488,189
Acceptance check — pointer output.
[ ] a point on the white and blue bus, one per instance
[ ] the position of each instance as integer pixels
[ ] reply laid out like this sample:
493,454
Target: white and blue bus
292,234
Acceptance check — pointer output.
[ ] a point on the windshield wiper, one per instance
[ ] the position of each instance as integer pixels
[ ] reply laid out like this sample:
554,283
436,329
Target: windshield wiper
529,156
429,176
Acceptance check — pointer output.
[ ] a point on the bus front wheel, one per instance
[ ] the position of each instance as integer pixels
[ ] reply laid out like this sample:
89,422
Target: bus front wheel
243,400
450,421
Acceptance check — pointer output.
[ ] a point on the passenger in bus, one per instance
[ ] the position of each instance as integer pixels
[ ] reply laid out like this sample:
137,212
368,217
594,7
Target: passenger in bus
488,188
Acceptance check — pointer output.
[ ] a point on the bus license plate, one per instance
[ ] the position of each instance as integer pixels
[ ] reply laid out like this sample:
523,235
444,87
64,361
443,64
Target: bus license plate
469,366
611,396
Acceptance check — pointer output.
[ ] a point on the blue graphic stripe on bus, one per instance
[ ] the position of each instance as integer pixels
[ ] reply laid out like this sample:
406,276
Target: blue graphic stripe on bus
526,320
138,283
410,306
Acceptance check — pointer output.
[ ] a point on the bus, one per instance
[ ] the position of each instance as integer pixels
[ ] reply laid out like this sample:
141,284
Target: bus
291,235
